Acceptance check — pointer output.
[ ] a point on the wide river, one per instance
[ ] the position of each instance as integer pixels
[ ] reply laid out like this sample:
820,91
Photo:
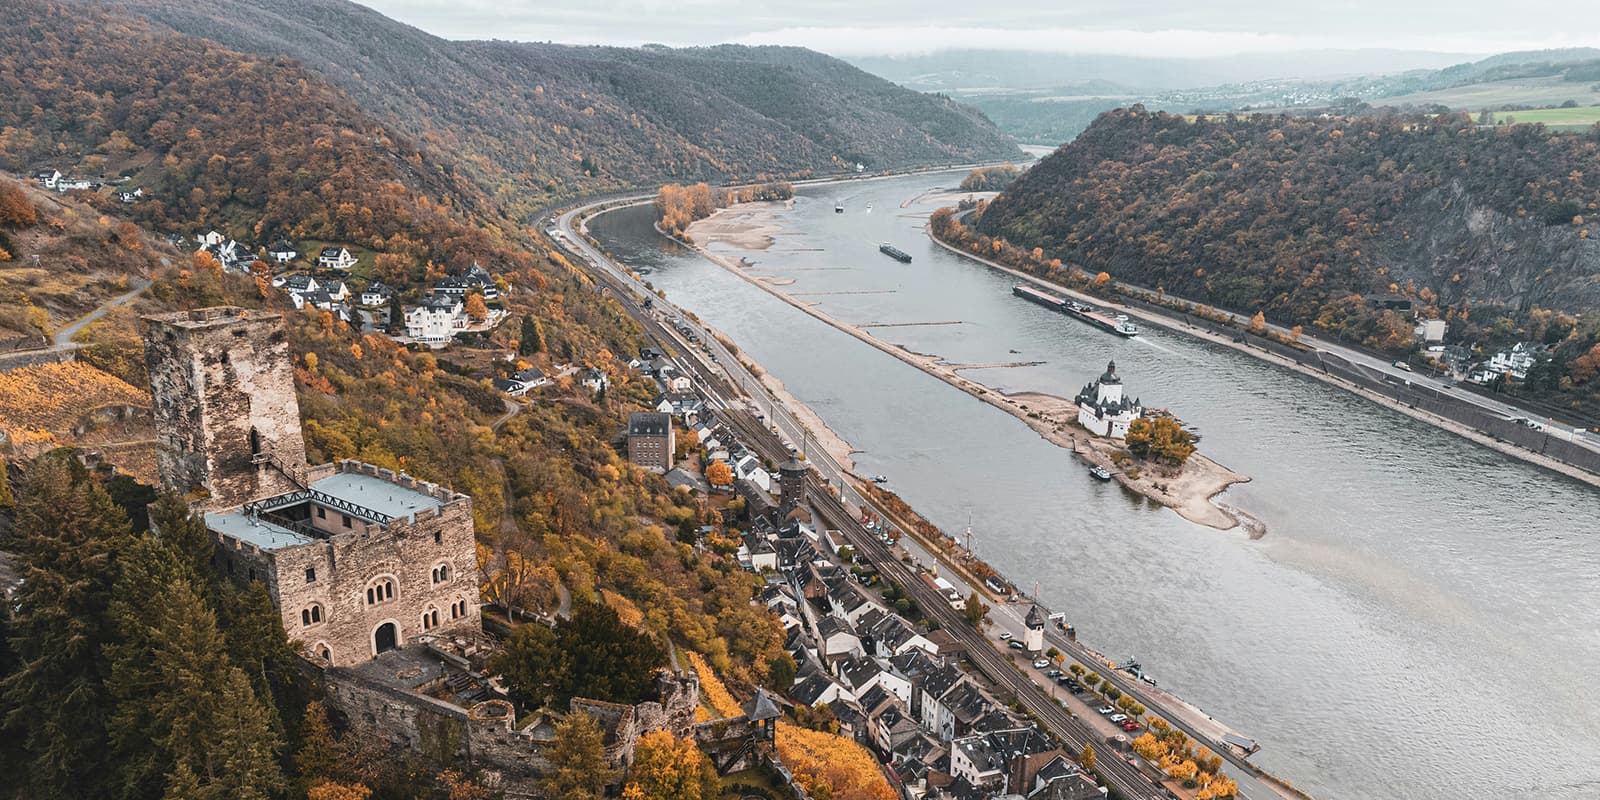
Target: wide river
1421,620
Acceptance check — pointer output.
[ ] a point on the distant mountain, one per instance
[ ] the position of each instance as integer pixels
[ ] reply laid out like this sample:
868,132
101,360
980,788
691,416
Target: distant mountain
991,69
534,121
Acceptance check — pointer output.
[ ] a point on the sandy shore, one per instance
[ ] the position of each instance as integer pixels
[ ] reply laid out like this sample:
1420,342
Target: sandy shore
1189,491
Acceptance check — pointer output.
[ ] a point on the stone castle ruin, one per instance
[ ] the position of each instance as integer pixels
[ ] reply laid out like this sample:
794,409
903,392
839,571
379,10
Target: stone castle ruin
373,572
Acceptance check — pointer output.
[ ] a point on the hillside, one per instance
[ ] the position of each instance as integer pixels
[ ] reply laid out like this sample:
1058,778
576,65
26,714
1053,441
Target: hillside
1297,217
533,121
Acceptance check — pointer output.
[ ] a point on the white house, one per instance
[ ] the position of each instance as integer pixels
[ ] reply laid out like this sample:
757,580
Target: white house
336,258
594,379
282,251
1430,331
48,178
336,289
127,197
376,295
437,319
749,468
1514,362
679,384
1103,409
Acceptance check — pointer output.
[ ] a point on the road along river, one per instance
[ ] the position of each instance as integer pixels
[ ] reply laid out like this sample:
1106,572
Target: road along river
1419,620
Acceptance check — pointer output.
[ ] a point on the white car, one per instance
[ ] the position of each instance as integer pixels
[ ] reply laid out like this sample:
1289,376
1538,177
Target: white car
1041,663
1119,718
1105,710
1005,636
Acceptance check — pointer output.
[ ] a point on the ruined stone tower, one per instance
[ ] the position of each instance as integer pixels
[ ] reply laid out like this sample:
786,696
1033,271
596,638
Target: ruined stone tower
228,424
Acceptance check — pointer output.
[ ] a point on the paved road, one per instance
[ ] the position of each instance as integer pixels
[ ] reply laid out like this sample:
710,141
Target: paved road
63,337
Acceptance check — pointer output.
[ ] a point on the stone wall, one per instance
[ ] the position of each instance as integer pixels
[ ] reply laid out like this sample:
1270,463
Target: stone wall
485,738
228,422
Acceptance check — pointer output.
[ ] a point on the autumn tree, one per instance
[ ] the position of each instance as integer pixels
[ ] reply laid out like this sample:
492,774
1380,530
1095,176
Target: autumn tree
578,766
15,210
1258,323
1086,758
668,768
329,790
1161,439
476,308
975,609
719,474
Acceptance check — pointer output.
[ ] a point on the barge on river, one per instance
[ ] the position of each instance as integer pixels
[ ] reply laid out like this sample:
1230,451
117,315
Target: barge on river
894,253
1118,324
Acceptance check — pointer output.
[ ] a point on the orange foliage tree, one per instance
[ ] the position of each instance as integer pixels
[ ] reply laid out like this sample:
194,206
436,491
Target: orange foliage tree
830,765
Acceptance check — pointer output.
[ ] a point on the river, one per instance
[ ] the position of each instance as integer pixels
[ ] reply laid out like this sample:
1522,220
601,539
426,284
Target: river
1420,620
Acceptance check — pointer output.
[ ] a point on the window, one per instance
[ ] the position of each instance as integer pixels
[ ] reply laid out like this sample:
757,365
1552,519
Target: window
380,591
441,573
430,619
311,616
322,513
345,518
311,574
438,537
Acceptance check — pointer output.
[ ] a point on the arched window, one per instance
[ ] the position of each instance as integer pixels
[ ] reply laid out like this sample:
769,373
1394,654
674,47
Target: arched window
255,442
441,573
311,615
380,590
430,619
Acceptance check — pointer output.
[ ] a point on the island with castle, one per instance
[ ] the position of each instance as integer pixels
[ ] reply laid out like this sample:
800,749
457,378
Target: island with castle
373,572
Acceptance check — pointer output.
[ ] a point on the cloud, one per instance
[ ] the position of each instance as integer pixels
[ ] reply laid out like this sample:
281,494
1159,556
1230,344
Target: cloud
921,40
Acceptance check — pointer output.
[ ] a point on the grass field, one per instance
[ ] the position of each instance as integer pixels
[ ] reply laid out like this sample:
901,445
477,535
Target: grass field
1576,118
1552,91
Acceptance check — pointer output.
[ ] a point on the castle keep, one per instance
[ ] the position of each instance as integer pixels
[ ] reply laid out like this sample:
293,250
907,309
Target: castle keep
359,560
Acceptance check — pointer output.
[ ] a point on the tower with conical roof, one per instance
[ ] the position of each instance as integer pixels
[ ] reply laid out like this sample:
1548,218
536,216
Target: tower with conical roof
792,484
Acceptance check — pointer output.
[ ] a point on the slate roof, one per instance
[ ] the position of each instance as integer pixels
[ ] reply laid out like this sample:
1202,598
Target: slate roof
1035,618
762,707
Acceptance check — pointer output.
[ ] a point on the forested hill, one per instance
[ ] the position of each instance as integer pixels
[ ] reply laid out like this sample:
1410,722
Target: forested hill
1294,215
550,119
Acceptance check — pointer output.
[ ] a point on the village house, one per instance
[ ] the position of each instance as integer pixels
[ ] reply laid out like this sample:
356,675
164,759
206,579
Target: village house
376,294
439,317
595,379
474,279
336,258
282,251
1514,363
129,196
651,440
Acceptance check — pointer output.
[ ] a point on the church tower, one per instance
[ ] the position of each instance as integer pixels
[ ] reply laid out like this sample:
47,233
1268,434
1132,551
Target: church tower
1110,389
227,421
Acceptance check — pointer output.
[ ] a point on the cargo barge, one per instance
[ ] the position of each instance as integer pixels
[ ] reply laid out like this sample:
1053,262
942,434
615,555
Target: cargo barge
894,253
1118,324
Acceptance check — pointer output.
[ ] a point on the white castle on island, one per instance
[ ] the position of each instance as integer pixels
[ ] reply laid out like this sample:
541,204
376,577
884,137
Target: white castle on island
1103,409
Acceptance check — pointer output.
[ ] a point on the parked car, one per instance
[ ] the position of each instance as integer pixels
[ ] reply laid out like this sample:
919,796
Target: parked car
1053,674
1005,636
1103,710
1041,663
1015,645
1130,726
1118,718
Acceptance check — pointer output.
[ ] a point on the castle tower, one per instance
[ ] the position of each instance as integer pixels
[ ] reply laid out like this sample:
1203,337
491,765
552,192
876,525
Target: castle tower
226,417
1110,392
792,484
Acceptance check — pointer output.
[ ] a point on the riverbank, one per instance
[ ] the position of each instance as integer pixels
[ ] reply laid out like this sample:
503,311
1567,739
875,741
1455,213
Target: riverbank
1190,492
1177,324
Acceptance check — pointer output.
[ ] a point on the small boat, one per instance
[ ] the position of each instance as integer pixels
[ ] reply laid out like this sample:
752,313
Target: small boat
838,208
1100,473
880,479
869,208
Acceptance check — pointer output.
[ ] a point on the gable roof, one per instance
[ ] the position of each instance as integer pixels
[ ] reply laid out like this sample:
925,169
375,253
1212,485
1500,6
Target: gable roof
762,707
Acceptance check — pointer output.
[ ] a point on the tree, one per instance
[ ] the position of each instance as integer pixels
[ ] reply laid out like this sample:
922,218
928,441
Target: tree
1091,680
397,314
15,210
668,768
1161,438
1075,668
1086,758
590,654
1258,323
317,760
719,474
781,671
975,609
328,790
579,770
531,340
66,533
476,308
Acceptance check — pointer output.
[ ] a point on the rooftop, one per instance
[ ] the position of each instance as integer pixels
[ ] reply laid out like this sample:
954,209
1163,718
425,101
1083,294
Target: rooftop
377,494
370,497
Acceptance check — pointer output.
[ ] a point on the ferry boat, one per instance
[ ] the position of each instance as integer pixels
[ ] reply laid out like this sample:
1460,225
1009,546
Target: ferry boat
1100,473
838,208
880,479
894,253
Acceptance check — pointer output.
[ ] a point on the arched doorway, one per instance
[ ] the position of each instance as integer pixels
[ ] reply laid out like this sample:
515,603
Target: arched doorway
385,638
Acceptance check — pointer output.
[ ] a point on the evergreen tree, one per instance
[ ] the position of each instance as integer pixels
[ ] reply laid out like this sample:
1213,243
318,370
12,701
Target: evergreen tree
531,340
67,534
318,758
591,654
397,314
579,770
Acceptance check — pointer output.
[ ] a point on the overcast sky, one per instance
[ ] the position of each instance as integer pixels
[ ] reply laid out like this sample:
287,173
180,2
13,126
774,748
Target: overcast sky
1129,27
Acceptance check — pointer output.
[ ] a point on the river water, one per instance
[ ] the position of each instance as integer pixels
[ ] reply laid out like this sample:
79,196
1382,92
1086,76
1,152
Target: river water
1420,620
